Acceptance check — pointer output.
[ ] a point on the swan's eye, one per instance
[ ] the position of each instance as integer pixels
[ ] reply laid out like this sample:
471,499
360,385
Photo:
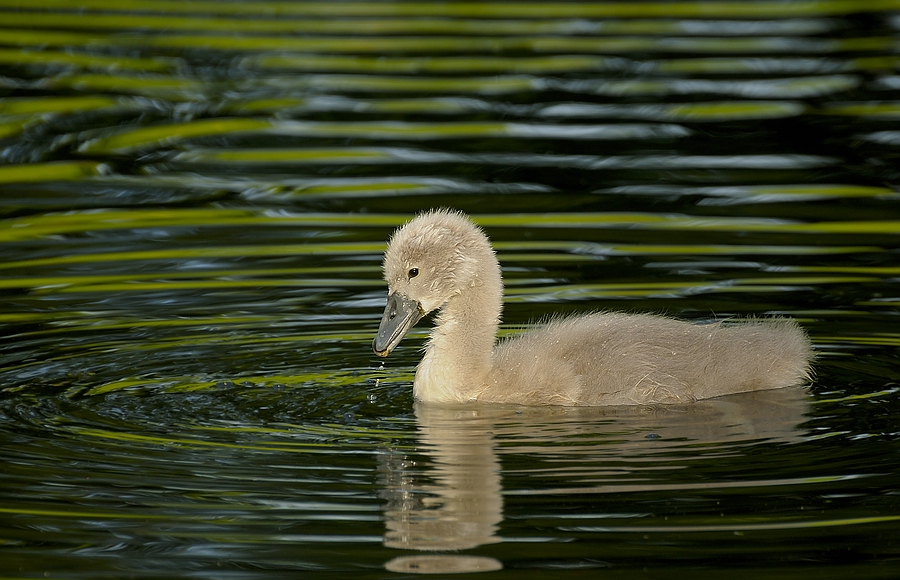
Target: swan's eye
413,272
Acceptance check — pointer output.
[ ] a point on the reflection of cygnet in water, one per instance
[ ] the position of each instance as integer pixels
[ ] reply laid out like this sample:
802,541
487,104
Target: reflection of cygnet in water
452,500
462,507
442,261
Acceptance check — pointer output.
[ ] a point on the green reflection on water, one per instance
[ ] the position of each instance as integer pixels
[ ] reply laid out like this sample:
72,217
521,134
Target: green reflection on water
130,445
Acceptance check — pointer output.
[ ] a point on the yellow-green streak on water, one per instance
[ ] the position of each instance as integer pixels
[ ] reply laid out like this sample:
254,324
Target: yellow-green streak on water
38,226
763,9
53,171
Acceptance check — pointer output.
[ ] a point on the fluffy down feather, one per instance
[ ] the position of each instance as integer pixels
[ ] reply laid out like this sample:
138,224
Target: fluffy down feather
442,261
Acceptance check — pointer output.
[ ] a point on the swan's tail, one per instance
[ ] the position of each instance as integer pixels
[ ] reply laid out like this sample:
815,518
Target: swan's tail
765,354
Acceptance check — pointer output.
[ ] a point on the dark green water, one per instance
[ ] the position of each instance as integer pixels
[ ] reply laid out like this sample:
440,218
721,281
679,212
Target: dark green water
194,198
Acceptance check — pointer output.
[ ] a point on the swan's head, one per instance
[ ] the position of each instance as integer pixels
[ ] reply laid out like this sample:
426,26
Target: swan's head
431,259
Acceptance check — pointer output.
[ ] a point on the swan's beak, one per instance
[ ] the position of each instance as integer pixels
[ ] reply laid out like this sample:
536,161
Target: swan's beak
400,314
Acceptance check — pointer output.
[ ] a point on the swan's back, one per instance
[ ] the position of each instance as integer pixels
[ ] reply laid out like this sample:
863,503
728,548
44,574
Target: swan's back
616,359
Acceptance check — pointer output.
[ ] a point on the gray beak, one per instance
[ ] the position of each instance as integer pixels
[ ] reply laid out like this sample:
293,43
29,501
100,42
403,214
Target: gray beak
400,314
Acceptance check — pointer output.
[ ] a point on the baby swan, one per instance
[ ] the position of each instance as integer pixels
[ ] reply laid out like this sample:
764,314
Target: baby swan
442,261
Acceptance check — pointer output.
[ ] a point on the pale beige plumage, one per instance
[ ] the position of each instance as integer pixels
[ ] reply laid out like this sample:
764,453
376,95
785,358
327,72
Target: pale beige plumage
442,261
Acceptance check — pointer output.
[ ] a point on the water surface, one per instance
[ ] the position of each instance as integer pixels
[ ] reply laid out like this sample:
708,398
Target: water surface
195,199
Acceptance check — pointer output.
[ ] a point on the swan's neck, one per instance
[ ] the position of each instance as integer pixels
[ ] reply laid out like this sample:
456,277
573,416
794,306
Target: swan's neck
458,354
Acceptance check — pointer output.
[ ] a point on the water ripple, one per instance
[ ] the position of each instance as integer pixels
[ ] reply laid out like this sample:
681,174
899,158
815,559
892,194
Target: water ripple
197,195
